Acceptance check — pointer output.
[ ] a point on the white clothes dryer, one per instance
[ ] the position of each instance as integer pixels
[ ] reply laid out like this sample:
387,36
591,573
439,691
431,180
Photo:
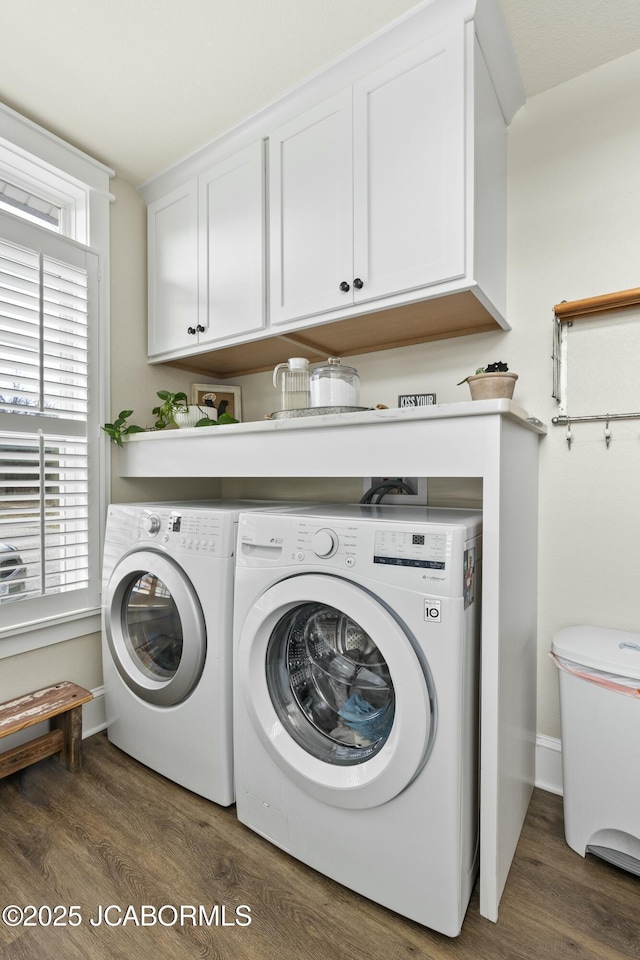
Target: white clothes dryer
167,589
356,647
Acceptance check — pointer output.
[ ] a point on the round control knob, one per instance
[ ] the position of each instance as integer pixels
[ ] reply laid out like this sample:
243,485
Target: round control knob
152,524
324,543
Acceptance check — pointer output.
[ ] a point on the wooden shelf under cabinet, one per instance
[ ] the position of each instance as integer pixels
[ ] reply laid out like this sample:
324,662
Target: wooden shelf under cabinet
456,315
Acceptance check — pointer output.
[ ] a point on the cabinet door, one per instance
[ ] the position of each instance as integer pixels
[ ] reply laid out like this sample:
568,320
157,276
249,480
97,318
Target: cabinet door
409,170
232,255
172,228
311,204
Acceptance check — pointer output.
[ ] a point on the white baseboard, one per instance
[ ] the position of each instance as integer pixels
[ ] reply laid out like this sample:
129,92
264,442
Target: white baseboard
549,764
94,717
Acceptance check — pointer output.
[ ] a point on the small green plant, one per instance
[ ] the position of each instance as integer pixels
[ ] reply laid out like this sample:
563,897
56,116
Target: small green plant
120,428
164,413
497,367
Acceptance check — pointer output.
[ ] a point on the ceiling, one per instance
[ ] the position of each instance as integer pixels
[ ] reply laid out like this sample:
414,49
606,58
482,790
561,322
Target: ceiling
140,83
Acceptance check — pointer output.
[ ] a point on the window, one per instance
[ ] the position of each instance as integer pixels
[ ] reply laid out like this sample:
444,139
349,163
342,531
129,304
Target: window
54,239
48,293
30,206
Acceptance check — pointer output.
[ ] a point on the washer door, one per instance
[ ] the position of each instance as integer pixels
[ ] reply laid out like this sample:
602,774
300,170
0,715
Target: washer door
335,690
155,627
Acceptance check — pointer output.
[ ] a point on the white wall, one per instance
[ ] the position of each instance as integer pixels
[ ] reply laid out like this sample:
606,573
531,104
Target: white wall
78,660
574,216
574,232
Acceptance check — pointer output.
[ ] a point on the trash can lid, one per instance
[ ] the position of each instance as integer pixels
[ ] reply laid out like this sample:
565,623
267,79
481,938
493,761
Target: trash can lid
601,648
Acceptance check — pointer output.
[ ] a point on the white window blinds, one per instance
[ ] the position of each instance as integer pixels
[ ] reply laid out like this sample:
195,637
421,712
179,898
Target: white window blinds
47,536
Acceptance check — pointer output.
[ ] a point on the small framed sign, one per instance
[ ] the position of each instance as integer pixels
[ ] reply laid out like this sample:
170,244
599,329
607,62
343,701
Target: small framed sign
416,399
222,392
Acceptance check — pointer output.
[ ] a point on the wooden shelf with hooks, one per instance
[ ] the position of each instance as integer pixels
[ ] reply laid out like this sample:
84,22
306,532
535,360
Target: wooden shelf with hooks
564,314
606,303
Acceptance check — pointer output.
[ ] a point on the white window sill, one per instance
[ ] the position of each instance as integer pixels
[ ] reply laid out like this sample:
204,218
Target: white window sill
44,633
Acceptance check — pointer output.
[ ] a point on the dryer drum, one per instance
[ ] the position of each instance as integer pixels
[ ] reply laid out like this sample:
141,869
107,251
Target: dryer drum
154,630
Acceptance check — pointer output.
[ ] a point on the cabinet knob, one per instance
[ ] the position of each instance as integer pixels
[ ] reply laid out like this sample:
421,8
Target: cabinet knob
358,284
200,328
191,331
344,286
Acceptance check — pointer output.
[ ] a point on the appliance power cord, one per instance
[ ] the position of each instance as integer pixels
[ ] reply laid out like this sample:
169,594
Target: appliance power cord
380,490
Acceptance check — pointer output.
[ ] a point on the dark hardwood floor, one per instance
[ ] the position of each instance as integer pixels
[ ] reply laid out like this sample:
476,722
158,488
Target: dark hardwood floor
119,834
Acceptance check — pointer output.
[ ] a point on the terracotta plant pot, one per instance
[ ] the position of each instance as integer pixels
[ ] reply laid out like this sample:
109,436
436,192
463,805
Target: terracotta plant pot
490,386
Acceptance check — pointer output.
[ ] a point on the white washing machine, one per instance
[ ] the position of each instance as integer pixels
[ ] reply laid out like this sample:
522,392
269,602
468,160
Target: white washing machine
167,588
356,647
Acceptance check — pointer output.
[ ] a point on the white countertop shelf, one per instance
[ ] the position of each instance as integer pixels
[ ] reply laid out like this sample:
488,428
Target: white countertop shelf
444,439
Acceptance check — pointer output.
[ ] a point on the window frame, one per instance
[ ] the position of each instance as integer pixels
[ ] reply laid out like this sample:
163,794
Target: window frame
32,157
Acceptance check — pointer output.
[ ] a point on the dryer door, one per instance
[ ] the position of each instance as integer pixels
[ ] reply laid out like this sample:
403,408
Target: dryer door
154,627
336,690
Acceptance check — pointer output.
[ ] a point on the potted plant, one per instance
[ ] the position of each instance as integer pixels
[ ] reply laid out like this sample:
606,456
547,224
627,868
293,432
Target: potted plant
165,412
194,415
491,382
174,411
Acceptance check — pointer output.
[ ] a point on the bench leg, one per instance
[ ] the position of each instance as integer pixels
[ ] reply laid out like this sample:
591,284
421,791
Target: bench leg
70,723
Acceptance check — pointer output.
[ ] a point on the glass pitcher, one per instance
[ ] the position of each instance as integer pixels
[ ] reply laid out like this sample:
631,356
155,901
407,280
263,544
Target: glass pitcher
293,377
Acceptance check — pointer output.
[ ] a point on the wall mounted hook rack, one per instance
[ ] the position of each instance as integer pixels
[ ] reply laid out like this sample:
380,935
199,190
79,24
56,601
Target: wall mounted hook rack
564,314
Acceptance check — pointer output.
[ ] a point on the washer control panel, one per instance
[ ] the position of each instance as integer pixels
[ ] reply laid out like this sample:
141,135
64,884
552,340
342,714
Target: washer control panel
336,543
430,556
408,548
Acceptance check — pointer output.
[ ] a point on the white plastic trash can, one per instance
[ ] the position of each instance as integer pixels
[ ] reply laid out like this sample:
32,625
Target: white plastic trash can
600,722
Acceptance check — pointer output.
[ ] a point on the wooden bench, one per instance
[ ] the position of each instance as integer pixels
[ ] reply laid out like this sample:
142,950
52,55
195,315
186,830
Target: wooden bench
62,704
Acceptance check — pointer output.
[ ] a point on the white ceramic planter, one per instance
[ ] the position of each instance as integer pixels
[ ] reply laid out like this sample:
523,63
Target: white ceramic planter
189,416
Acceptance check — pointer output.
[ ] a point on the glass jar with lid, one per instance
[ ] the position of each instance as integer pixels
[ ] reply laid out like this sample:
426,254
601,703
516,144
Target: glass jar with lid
335,385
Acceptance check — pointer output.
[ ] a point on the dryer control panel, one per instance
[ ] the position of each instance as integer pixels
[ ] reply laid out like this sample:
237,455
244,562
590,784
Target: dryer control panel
188,531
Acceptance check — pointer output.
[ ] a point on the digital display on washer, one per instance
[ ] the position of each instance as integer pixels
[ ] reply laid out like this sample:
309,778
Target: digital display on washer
402,549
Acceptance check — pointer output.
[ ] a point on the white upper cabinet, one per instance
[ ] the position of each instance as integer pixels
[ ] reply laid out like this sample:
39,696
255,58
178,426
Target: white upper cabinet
367,190
311,211
363,210
232,254
172,227
206,253
409,190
